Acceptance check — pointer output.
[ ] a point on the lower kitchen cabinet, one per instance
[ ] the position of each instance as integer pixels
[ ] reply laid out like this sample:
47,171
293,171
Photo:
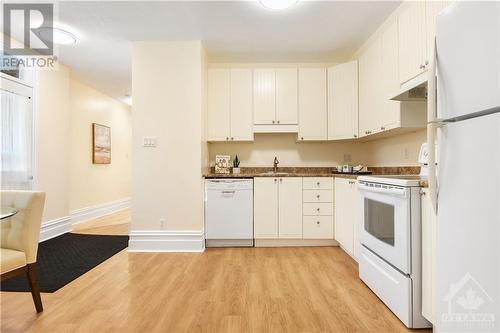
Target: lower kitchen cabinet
346,206
277,207
318,208
429,227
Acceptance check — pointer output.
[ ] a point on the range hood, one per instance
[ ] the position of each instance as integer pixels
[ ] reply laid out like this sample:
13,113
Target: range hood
413,90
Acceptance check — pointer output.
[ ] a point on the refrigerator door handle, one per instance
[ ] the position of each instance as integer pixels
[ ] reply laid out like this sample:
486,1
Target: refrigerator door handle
432,125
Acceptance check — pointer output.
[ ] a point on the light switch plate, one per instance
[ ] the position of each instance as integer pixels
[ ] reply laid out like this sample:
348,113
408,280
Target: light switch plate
149,142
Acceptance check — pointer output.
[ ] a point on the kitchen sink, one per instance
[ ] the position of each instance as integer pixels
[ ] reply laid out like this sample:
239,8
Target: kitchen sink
272,173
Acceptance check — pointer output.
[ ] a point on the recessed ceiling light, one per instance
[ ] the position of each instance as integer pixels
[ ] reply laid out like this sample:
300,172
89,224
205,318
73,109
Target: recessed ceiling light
278,4
59,36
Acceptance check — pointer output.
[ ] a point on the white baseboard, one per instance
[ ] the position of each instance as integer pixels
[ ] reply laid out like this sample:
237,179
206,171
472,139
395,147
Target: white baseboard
88,213
55,228
166,241
64,224
294,242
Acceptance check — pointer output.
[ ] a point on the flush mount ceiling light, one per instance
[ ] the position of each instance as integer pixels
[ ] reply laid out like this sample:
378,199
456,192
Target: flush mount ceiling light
59,36
278,4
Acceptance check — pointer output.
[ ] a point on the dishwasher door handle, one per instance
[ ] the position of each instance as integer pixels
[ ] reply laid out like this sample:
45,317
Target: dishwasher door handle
228,192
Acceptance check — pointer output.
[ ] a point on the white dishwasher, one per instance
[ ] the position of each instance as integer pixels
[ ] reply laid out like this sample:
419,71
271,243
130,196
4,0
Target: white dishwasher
228,212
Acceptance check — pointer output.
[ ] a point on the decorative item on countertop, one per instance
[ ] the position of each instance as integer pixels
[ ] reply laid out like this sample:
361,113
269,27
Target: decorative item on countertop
236,165
222,163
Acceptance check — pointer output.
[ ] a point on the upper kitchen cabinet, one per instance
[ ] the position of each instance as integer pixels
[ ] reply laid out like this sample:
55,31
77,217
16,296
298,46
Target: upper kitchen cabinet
432,10
312,104
412,41
343,101
219,104
275,100
370,88
230,104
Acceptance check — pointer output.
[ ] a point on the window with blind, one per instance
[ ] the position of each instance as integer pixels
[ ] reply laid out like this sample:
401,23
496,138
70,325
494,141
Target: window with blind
16,137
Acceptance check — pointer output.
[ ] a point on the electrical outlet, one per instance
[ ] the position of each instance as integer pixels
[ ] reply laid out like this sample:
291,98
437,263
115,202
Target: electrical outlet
163,222
347,158
406,153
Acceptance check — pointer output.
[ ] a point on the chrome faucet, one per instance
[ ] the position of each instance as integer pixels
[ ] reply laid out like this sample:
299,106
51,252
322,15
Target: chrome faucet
275,163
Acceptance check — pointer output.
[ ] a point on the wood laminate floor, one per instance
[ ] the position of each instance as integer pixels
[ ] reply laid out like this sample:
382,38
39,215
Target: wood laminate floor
221,290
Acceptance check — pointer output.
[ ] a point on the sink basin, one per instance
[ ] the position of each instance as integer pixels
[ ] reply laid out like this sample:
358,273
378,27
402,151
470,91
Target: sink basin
272,173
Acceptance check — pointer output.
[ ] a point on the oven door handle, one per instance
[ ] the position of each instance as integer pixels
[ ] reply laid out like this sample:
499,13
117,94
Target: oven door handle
400,192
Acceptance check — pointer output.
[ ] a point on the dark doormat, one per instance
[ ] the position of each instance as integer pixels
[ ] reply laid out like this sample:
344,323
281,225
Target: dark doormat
62,259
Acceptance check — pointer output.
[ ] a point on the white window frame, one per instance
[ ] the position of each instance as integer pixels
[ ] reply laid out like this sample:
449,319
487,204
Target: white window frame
26,88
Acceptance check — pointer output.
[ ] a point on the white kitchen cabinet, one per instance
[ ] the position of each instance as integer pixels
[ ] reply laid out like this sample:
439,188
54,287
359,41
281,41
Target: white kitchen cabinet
286,96
389,113
219,104
264,96
277,207
290,207
275,97
318,207
370,88
265,197
343,101
346,206
312,104
230,105
432,10
429,228
412,41
241,105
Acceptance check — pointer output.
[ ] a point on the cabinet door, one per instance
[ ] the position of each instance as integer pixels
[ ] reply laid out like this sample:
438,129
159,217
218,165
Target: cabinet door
312,104
286,96
219,104
343,101
241,105
428,258
344,228
412,41
370,64
264,96
290,207
265,207
390,111
432,10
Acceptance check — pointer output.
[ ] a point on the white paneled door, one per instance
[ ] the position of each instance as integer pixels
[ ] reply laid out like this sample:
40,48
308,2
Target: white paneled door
264,96
265,207
290,207
241,105
312,104
219,104
286,96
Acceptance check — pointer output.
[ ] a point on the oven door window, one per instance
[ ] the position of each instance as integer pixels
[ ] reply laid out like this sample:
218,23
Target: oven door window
379,220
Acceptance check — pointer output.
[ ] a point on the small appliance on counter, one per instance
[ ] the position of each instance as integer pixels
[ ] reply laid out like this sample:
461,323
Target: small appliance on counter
352,170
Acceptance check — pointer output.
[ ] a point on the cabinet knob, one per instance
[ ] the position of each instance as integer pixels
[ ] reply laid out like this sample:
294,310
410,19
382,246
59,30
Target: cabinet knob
422,66
227,138
273,121
232,138
275,180
281,180
301,138
278,121
355,135
318,183
317,196
317,222
317,209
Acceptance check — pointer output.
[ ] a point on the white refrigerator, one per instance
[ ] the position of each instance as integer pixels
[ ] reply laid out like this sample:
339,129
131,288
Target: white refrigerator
464,118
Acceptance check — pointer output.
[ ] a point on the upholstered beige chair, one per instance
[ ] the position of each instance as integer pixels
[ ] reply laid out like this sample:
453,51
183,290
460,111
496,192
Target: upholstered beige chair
19,238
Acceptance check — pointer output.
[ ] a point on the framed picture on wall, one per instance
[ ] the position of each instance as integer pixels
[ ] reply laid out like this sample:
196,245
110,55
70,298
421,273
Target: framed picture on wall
101,142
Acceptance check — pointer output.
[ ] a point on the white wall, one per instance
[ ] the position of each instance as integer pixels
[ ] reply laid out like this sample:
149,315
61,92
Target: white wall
95,184
261,152
398,150
167,83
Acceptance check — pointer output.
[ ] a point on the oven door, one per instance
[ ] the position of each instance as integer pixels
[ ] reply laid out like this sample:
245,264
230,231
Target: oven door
384,214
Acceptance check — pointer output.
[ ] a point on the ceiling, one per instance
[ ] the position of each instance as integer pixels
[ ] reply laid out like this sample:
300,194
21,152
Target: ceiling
231,31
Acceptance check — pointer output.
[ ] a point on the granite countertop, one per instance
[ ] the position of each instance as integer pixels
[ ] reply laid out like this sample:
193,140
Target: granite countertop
250,172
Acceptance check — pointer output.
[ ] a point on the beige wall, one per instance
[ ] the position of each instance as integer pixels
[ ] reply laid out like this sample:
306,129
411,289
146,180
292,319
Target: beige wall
65,108
399,150
261,152
94,184
167,83
53,140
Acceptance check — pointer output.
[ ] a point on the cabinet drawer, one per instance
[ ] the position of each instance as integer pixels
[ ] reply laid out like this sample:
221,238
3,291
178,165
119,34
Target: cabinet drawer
318,183
318,209
318,196
317,227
